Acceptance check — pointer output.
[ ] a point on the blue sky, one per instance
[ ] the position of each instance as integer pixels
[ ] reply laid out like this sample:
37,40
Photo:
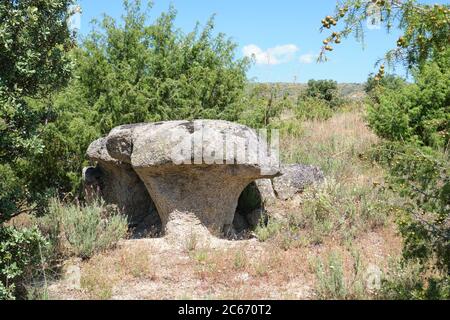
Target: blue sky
287,31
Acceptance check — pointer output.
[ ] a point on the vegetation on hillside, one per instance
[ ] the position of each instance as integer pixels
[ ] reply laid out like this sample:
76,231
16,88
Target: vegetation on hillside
414,121
34,63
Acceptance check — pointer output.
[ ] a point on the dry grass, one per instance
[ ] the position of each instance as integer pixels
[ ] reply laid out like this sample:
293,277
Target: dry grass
243,270
336,145
248,270
346,271
251,274
101,273
352,201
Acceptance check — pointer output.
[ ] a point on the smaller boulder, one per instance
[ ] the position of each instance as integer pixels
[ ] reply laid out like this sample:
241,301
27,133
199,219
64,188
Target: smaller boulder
294,179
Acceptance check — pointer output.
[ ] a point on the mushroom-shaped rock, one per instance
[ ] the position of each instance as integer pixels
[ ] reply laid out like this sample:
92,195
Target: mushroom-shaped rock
117,183
198,168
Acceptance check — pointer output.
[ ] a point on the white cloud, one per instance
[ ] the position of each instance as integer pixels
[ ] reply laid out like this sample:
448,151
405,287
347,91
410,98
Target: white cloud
272,56
307,58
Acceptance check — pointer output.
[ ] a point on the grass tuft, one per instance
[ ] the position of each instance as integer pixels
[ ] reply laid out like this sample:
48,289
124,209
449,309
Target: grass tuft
76,230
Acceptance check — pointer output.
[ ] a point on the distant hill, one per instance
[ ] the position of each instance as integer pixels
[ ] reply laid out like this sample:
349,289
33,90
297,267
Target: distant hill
348,90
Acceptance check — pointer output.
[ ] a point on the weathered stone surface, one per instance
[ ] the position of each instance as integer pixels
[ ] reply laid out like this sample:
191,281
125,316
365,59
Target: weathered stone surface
294,178
266,191
117,183
71,273
184,166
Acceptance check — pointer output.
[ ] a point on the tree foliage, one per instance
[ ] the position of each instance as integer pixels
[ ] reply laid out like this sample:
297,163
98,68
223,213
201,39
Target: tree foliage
391,82
422,176
313,108
414,119
34,40
326,90
264,103
418,112
19,252
137,70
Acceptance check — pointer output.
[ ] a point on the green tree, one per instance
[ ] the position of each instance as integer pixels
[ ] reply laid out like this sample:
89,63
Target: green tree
137,70
419,112
326,90
34,40
390,81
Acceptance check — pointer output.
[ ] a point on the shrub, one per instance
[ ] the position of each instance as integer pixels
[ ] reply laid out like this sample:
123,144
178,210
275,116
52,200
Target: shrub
19,254
289,128
420,176
405,281
313,108
318,102
82,230
416,120
129,71
326,90
11,192
331,280
388,82
265,232
264,105
134,72
389,118
344,210
418,112
331,209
